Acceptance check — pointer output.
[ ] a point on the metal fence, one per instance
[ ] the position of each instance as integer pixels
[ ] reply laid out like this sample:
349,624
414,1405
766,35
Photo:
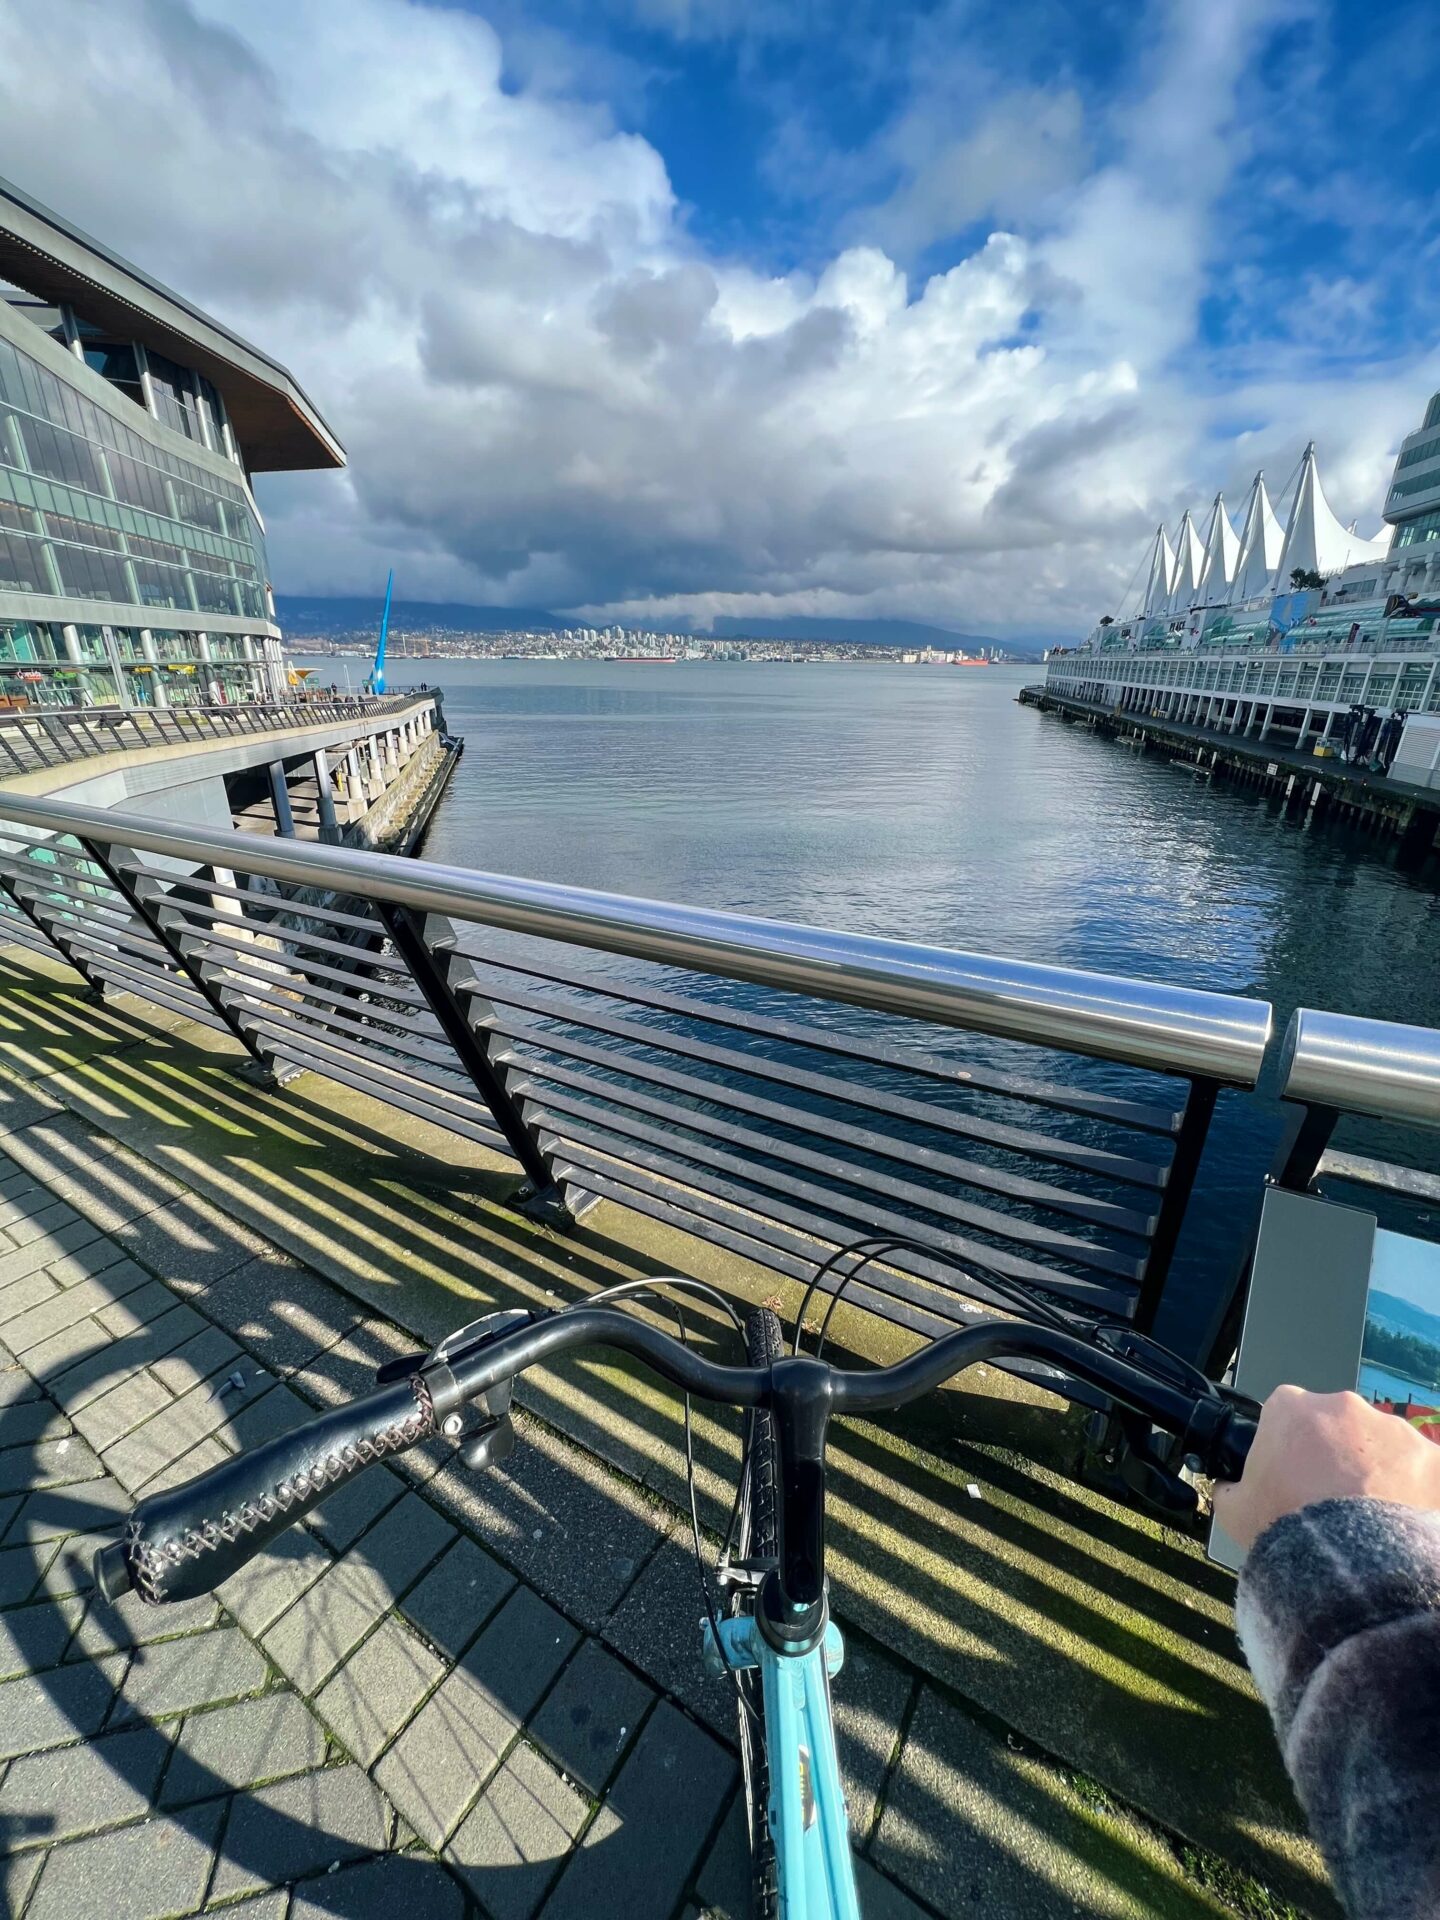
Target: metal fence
782,1091
34,737
1336,1065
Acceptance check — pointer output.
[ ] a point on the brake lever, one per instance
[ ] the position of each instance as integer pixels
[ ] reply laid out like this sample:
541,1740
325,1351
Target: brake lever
475,1334
482,1432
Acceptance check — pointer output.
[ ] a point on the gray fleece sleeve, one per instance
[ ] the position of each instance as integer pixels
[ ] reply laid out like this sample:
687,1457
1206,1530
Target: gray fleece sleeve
1339,1615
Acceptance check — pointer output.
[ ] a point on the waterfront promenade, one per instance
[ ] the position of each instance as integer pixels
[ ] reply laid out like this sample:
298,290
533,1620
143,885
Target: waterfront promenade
449,1689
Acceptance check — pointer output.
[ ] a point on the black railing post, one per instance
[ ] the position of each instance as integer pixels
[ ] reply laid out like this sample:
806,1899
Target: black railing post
1190,1141
21,765
260,1070
1308,1132
430,970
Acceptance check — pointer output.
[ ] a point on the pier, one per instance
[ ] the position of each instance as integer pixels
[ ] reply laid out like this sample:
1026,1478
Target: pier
1325,787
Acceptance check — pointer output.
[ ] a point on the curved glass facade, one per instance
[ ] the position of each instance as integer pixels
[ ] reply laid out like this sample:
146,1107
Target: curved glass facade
93,511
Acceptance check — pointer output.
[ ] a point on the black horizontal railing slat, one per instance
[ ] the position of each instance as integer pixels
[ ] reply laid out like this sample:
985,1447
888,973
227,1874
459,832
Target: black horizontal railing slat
823,1039
848,1092
833,1210
253,901
411,1020
407,1042
218,925
403,992
350,1075
580,1119
906,1152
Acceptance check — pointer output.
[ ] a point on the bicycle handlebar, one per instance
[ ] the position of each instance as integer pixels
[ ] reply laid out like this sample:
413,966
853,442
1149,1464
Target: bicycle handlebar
190,1539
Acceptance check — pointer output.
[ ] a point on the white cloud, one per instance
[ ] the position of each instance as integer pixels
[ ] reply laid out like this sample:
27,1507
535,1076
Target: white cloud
551,395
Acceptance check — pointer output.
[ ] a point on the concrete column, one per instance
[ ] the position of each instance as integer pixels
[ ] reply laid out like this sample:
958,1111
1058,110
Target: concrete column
280,800
1329,723
354,785
1265,723
157,682
71,637
392,753
329,824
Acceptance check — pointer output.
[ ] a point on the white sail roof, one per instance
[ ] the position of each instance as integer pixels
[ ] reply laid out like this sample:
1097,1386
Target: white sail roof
1222,550
1160,576
1189,565
1261,540
1314,538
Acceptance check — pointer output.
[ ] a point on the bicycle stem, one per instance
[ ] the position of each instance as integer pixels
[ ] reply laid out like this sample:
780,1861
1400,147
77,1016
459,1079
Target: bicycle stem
802,1393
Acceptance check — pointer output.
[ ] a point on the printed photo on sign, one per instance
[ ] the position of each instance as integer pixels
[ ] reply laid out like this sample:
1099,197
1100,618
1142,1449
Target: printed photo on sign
1400,1353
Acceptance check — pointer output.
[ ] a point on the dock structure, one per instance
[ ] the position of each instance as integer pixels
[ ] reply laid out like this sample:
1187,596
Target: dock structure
1248,751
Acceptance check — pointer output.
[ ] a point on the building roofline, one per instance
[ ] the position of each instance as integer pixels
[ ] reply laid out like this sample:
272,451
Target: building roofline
276,424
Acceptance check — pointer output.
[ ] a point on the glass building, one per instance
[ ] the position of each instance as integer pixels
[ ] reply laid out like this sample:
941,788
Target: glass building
1413,504
132,553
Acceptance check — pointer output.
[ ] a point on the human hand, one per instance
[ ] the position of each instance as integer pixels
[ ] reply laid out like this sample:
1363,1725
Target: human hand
1325,1446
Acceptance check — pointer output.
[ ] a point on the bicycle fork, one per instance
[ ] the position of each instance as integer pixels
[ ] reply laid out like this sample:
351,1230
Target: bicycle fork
806,1811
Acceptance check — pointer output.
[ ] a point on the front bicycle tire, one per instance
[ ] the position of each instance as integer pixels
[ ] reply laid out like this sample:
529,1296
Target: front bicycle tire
758,1541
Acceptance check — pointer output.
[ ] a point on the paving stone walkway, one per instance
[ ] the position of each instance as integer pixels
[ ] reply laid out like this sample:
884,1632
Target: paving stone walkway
443,1695
384,1708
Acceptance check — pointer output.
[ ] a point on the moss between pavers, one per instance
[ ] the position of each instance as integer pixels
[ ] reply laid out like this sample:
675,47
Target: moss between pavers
1089,1628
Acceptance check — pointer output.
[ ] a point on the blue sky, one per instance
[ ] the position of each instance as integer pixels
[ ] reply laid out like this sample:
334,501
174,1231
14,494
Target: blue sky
670,309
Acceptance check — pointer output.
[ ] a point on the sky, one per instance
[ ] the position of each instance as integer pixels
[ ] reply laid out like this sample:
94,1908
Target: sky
666,310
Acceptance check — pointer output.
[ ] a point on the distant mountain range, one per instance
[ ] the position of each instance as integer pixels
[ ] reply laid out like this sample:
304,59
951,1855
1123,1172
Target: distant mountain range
1402,1315
317,616
322,616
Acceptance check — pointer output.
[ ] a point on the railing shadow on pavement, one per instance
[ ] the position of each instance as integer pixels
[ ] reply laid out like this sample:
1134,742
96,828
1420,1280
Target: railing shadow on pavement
1037,1558
135,1747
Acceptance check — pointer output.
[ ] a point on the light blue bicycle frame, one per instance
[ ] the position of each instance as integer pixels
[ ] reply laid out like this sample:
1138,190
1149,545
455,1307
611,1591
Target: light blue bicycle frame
807,1815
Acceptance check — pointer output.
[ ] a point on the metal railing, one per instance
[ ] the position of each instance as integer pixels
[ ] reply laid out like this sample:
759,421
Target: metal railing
1333,1068
780,1090
35,737
1337,1064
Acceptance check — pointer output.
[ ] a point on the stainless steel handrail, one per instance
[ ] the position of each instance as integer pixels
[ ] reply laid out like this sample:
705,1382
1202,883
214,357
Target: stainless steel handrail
1169,1029
1374,1067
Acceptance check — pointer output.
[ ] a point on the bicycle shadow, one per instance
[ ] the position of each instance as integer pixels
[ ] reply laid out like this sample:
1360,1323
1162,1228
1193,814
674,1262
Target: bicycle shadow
141,1753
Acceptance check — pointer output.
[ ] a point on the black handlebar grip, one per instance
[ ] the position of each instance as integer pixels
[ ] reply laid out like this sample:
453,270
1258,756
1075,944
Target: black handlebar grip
190,1539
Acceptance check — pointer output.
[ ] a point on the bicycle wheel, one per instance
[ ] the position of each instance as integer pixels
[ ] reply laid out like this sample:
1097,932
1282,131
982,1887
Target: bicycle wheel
758,1540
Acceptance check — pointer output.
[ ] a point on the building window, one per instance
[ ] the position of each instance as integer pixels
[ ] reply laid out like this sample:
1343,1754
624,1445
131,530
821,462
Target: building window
22,565
176,401
1410,533
25,641
49,319
1425,483
1422,450
91,576
114,360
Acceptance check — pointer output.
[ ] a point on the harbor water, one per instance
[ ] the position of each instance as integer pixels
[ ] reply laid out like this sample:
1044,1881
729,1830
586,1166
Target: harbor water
924,803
